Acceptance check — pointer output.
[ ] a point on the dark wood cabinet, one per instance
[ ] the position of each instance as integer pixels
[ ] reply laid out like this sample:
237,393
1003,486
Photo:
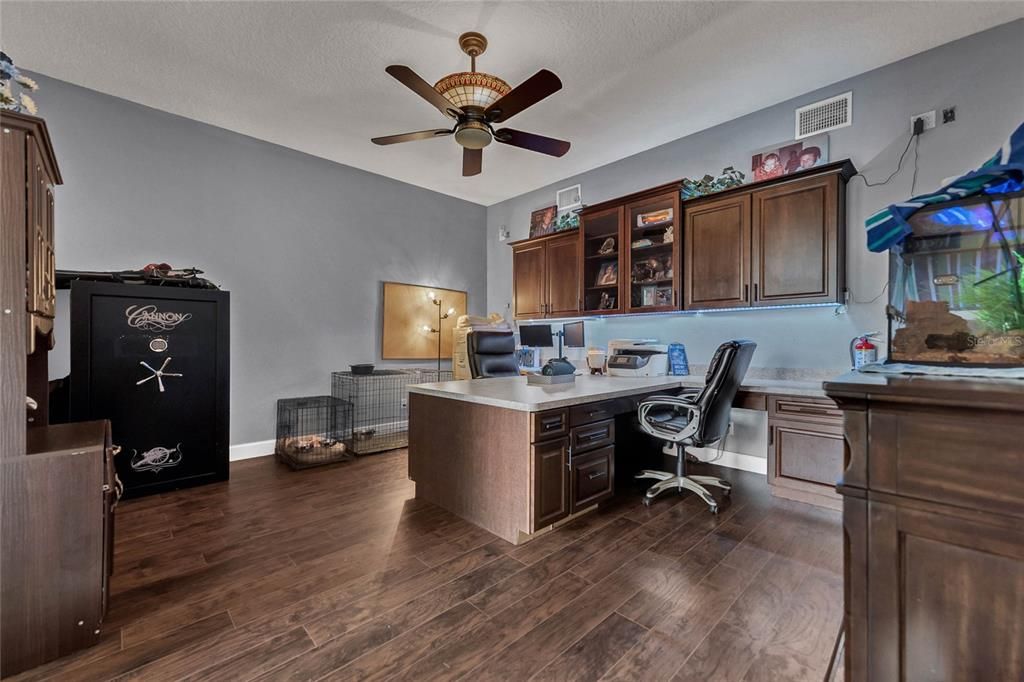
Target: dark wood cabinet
603,261
562,277
771,243
529,268
550,482
805,449
652,252
717,254
933,505
545,277
592,477
798,242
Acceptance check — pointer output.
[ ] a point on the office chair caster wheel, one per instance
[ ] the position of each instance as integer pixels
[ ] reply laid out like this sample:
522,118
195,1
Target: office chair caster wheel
647,501
726,492
714,509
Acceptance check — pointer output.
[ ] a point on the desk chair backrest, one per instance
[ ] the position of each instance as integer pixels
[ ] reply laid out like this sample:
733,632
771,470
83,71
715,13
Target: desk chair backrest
492,354
723,379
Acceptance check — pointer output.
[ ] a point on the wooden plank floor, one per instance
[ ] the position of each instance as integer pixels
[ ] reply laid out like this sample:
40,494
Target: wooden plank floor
340,573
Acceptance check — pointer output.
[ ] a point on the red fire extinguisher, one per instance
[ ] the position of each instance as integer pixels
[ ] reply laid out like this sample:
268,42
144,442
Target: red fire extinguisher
862,351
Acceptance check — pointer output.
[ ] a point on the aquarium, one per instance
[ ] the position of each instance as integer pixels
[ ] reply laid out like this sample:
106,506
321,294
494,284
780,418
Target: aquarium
956,284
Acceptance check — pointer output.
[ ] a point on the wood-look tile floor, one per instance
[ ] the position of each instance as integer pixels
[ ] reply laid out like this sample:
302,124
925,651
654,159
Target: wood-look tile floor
340,573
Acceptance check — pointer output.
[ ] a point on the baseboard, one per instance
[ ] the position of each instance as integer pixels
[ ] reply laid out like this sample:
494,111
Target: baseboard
260,448
733,460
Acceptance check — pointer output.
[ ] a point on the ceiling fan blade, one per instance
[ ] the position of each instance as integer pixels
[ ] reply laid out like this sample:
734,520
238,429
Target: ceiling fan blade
526,94
535,143
409,78
472,161
409,137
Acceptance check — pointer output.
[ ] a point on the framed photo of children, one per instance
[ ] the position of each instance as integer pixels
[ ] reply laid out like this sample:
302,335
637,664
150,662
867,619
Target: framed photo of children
542,221
789,157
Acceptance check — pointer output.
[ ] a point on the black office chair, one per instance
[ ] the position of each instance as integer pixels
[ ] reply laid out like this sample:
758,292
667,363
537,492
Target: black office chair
699,420
492,354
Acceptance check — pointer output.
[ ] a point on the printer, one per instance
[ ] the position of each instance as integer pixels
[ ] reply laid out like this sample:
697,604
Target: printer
637,358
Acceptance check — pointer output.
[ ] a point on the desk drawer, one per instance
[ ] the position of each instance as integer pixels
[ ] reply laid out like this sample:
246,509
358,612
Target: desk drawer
549,424
804,408
592,436
593,477
595,412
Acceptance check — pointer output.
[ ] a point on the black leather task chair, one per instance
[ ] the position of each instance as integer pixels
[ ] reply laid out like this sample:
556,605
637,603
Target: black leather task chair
698,420
492,354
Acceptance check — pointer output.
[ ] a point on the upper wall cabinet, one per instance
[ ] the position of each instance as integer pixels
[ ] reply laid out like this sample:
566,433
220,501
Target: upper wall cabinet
780,242
603,261
771,243
545,276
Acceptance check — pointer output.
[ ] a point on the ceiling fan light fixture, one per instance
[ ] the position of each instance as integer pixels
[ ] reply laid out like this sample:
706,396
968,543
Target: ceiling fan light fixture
473,135
472,89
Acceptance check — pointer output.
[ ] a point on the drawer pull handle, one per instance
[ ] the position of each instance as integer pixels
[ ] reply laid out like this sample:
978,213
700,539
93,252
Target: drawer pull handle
551,422
597,474
594,435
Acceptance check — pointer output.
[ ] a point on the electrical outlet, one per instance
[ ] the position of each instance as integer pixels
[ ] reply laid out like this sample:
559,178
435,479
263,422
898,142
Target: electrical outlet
929,119
405,403
949,115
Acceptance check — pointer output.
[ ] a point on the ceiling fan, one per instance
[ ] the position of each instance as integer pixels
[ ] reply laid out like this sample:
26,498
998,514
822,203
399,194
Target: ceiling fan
477,101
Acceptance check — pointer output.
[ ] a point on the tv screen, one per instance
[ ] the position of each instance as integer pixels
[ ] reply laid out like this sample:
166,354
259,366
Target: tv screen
573,334
536,335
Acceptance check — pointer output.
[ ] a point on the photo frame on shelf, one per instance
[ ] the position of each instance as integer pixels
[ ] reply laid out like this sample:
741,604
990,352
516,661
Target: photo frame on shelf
608,274
647,295
607,301
662,296
542,221
789,157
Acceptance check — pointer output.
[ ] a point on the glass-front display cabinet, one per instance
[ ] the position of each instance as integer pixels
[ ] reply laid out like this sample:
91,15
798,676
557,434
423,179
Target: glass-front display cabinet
653,265
601,234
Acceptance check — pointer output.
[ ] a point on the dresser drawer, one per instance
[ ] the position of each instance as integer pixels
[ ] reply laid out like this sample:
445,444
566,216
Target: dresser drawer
804,408
549,424
593,477
592,436
594,412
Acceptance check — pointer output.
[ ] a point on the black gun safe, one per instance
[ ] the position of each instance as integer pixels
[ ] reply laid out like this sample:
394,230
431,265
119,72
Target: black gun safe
154,361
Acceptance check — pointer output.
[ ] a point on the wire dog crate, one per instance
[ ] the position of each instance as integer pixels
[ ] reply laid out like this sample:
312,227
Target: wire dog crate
313,431
380,403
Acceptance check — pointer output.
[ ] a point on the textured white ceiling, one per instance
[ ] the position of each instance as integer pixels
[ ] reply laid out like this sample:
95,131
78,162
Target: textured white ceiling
310,75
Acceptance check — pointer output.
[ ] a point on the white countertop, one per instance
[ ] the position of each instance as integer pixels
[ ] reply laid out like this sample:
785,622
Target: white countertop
515,394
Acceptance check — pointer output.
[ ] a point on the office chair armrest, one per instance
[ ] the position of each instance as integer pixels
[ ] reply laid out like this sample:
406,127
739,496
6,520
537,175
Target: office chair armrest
665,431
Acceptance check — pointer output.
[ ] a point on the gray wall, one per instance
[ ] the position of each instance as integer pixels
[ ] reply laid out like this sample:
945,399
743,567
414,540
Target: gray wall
301,243
980,75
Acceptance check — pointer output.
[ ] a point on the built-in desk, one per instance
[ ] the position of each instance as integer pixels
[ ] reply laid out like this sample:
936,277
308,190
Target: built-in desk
516,458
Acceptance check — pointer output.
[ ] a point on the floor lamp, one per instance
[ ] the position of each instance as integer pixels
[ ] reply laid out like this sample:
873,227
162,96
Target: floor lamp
440,316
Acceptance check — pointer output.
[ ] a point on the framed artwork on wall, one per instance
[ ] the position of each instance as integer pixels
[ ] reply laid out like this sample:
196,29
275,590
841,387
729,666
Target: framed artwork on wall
407,310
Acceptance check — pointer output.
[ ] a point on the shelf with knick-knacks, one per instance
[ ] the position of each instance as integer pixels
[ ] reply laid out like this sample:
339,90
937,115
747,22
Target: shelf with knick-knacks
600,238
652,257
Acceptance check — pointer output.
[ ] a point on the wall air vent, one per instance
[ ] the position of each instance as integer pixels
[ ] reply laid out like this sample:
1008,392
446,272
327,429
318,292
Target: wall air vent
568,199
828,114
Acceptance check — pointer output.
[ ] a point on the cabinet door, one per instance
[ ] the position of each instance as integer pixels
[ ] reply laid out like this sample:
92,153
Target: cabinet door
41,279
797,242
944,594
653,267
550,482
805,457
593,477
717,254
602,267
528,280
562,276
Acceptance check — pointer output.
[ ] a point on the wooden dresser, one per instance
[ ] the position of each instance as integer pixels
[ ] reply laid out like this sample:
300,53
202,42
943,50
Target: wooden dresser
57,486
933,513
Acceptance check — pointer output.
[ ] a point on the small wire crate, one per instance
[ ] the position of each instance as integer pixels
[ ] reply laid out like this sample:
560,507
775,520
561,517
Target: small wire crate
380,403
314,430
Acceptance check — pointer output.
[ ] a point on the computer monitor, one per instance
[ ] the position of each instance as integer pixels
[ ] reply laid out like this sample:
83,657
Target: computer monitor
536,335
572,333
